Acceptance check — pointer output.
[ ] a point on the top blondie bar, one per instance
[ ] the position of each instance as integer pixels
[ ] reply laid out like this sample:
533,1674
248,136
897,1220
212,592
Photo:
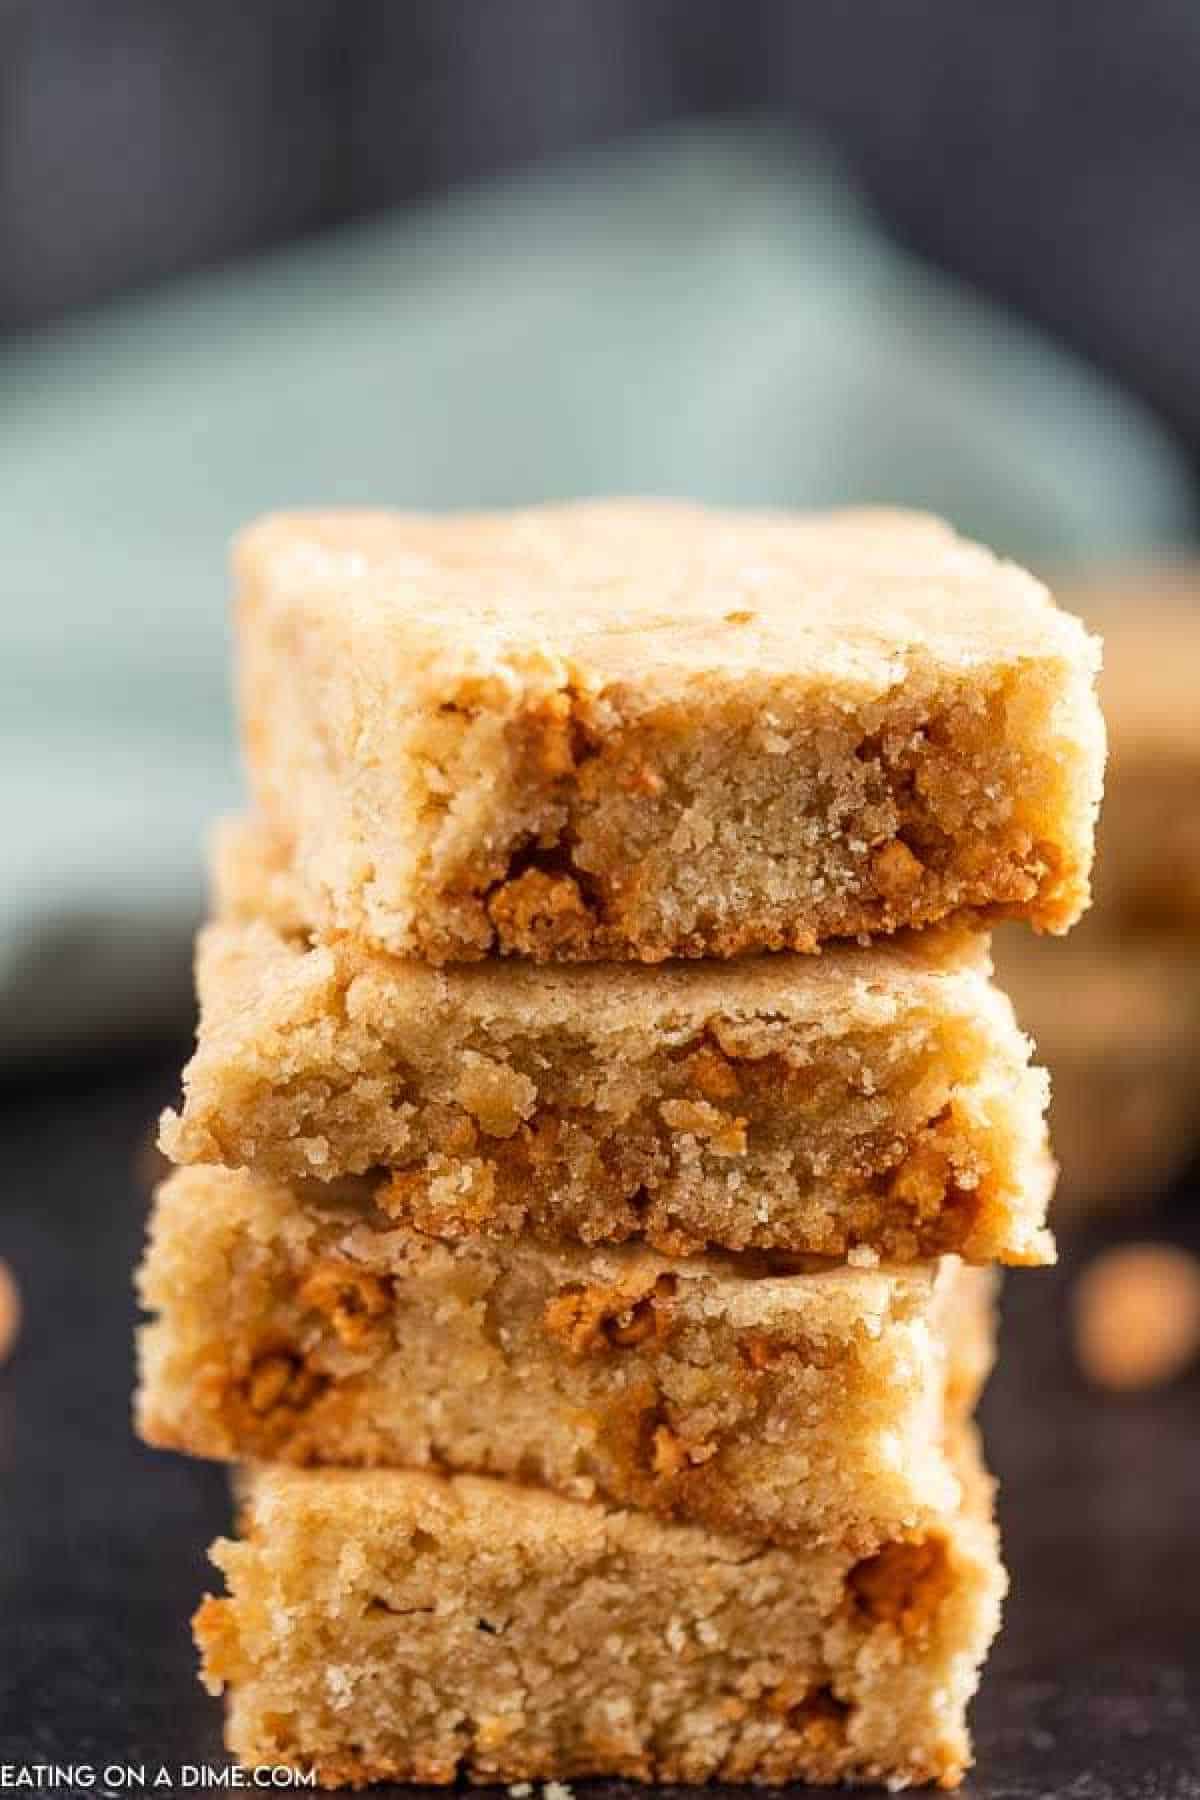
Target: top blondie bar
633,729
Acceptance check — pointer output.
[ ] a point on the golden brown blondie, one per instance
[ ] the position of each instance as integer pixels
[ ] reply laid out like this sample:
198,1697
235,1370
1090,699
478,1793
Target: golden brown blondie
799,1406
877,1096
1149,868
646,730
1116,1017
402,1626
1116,1012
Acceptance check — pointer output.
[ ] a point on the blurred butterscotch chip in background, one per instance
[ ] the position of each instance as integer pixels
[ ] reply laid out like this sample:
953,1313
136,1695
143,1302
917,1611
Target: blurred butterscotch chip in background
1115,1013
1137,1316
10,1311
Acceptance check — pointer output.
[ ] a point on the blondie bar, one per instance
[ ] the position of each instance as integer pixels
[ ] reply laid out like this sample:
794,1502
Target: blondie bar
645,730
1117,1018
807,1407
405,1626
870,1096
1149,869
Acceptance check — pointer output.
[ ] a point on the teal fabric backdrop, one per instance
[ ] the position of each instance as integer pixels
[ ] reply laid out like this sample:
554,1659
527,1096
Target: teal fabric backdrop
709,312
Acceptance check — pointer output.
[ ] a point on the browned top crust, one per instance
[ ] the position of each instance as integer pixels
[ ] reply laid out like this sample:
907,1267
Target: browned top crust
656,594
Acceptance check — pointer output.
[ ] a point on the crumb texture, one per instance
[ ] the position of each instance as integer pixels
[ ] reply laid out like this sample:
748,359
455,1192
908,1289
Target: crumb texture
806,1407
636,730
406,1627
877,1097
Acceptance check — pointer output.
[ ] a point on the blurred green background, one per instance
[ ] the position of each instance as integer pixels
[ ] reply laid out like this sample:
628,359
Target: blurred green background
594,250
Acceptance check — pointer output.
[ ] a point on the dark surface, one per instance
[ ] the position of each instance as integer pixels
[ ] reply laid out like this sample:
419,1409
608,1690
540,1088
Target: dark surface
1093,1692
1049,153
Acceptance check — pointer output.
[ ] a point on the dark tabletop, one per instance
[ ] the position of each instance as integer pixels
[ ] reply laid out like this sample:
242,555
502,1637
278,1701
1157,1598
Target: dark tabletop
1093,1692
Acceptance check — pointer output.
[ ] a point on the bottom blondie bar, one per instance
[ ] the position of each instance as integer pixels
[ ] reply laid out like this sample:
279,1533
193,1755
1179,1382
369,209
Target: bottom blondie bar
407,1626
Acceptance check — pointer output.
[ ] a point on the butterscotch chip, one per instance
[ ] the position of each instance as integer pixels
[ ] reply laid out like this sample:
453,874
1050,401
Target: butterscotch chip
555,755
668,1452
642,780
713,1074
1137,1316
876,1096
903,1583
308,1327
541,914
922,1180
10,1311
726,1136
759,1351
646,730
497,1097
394,1625
648,1318
896,871
617,1316
269,1382
351,1299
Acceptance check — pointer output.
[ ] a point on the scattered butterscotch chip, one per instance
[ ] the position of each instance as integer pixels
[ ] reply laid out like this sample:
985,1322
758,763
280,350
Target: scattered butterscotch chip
10,1311
1137,1316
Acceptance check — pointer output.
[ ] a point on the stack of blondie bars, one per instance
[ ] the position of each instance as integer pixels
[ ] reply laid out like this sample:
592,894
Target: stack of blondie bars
601,1127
